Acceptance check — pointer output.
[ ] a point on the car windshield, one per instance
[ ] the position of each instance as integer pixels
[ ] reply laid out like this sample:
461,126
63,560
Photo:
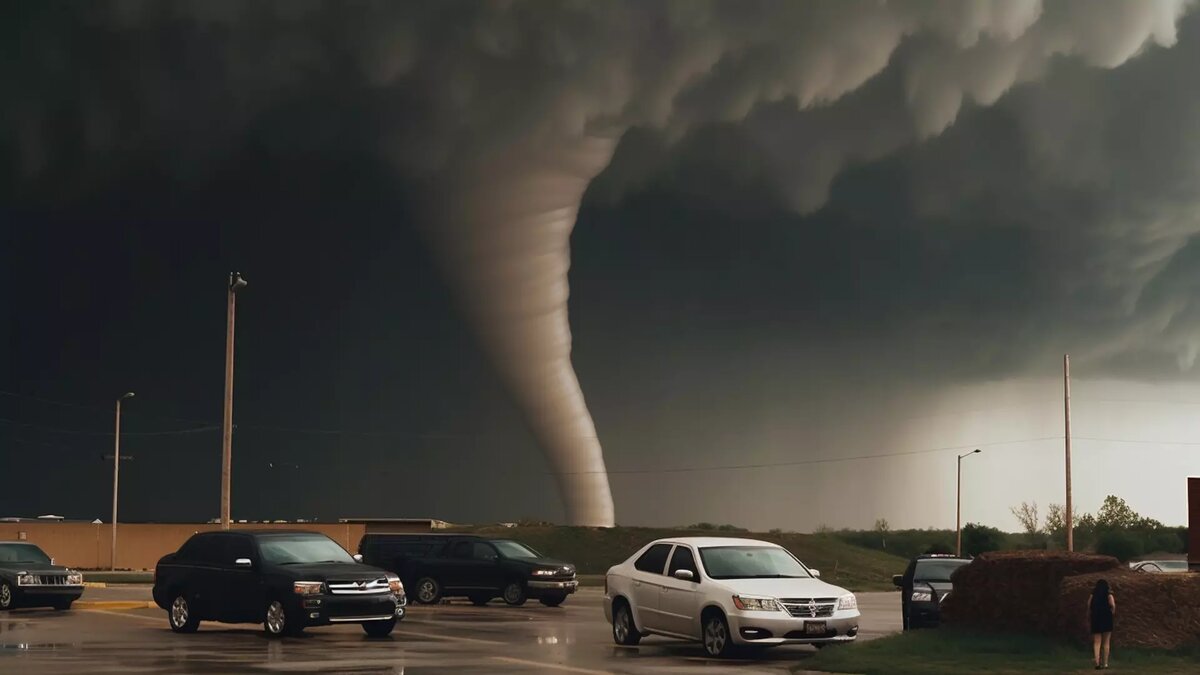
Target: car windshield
937,570
512,549
751,562
296,549
22,553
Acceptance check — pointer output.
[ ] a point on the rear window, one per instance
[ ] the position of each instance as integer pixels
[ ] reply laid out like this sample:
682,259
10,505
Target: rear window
653,560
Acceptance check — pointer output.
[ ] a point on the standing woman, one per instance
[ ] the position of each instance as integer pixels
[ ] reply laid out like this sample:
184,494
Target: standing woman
1101,607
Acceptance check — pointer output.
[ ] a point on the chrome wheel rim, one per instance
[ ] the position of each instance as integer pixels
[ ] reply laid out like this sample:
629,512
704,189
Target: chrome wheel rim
512,593
5,596
621,625
714,637
179,612
275,618
427,590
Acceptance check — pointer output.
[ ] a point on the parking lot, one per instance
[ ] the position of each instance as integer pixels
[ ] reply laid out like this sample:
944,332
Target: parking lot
454,638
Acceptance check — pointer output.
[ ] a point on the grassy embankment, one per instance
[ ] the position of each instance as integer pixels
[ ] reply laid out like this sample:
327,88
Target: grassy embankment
594,550
952,652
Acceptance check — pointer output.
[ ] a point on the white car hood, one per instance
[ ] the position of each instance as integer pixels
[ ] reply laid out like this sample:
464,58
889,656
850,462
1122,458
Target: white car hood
783,588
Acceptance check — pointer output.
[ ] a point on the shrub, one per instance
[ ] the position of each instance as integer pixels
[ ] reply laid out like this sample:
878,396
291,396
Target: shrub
1120,545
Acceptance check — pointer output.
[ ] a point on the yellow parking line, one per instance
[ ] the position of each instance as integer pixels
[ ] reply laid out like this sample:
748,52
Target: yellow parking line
127,615
550,666
113,604
452,638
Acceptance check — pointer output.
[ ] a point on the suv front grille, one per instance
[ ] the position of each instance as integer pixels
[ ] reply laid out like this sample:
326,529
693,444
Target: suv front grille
47,580
359,586
809,608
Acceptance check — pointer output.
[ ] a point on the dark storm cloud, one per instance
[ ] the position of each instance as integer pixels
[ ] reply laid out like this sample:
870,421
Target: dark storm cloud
498,115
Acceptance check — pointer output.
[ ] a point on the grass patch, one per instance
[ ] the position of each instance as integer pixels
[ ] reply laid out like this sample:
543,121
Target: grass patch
594,550
953,651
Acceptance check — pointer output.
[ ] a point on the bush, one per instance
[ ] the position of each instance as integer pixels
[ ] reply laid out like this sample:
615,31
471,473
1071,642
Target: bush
1120,545
977,539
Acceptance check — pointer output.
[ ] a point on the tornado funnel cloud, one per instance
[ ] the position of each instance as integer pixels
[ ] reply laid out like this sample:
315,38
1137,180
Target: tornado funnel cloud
501,224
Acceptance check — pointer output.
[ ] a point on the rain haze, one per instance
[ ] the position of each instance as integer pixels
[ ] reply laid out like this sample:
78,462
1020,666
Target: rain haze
764,263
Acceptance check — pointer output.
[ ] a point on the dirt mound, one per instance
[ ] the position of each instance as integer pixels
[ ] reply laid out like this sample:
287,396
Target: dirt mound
1156,611
1017,590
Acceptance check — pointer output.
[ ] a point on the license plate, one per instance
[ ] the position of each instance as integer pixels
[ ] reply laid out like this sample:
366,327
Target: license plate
814,627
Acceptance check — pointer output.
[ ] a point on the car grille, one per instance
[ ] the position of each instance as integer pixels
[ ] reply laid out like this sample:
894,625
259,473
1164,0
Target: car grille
359,586
809,608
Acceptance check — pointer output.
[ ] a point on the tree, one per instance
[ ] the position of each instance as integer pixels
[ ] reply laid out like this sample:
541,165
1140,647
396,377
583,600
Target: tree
1121,545
978,539
1027,514
882,527
1115,514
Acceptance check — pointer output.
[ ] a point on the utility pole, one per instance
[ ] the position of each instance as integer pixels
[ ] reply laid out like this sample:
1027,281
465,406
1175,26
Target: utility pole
236,283
1070,513
116,475
958,527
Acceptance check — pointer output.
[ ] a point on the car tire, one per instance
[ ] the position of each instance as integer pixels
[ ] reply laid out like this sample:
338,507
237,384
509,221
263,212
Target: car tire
625,633
553,600
428,591
718,643
7,600
180,616
276,622
379,629
480,600
515,594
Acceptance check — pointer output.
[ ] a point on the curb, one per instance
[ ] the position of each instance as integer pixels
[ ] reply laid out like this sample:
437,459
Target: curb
113,604
95,584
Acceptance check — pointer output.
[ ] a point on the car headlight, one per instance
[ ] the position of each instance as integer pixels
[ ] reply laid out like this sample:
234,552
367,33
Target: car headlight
755,603
395,584
922,596
847,602
74,578
545,572
26,579
308,587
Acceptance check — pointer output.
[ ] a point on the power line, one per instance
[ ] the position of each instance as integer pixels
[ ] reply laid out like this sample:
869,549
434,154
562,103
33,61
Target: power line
82,406
1133,440
83,432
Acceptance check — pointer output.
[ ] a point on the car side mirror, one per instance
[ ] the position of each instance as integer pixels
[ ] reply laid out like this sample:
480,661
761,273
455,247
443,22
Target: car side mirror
243,562
684,575
357,557
816,573
898,580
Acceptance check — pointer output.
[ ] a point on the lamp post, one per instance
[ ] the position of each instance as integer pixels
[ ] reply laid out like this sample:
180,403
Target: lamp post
116,474
236,283
958,545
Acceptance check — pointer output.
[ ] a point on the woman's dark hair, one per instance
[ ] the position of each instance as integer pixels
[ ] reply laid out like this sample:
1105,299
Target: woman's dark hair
1100,592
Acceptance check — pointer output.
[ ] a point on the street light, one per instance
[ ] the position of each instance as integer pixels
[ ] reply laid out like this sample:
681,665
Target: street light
236,283
116,474
958,545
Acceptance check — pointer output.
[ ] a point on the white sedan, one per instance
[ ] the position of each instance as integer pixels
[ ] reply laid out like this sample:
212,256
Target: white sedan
725,592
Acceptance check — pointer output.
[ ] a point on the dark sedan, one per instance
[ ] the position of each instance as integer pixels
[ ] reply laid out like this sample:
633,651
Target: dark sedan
29,578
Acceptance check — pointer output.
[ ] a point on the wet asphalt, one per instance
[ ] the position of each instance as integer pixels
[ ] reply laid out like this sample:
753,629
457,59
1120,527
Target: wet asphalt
443,639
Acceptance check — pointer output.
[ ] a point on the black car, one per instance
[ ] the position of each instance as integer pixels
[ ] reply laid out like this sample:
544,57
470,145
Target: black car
286,580
29,578
438,566
923,587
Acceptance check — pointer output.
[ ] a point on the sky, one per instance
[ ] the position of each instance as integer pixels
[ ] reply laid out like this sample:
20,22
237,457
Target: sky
762,263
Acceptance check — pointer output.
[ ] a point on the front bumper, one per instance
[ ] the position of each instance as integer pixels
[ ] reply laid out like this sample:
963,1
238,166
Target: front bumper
320,610
540,587
776,628
924,615
39,596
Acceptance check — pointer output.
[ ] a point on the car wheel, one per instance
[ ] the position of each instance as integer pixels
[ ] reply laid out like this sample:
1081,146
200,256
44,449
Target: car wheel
552,600
6,596
275,621
429,590
378,629
624,631
515,594
480,600
180,615
717,642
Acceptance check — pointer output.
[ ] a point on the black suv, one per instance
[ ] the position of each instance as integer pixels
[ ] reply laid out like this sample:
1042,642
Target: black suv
287,580
923,587
439,565
29,578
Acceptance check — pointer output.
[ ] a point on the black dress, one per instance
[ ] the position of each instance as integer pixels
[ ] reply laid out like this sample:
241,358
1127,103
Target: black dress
1102,616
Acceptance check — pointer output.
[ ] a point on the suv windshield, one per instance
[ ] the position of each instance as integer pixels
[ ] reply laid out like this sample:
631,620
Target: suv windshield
295,549
22,553
751,562
512,549
937,570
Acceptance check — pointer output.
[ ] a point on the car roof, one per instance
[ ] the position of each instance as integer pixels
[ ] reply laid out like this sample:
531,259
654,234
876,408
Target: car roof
15,541
942,556
715,541
261,533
